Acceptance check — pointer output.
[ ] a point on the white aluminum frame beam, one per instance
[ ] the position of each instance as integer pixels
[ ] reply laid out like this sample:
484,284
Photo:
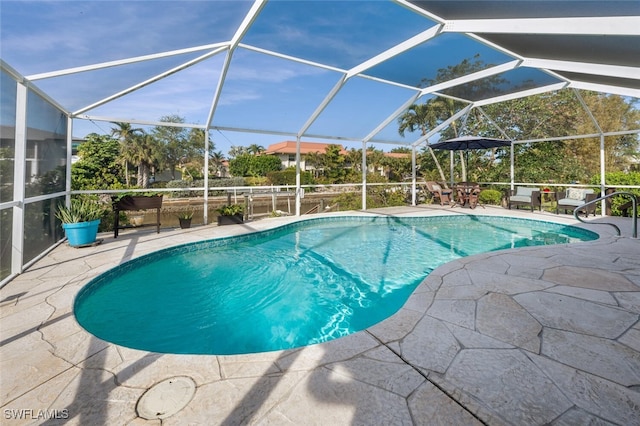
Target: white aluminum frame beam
392,117
522,94
498,69
291,58
127,61
443,125
251,16
140,122
19,179
325,102
609,25
148,81
396,50
618,71
605,88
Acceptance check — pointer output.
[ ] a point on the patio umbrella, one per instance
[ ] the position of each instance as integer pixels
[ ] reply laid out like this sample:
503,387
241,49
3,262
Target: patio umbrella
465,143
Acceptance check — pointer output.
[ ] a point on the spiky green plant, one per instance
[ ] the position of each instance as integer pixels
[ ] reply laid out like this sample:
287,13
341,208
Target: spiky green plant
81,210
187,214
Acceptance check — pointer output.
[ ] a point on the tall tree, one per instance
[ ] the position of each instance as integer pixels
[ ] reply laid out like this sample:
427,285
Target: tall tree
145,152
177,148
354,157
421,117
193,161
427,116
125,133
333,164
315,160
236,151
98,166
216,164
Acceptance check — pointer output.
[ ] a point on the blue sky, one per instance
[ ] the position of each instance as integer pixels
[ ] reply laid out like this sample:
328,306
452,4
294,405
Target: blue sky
260,92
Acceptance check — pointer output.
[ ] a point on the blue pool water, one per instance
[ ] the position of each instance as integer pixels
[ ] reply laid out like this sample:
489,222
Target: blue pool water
300,284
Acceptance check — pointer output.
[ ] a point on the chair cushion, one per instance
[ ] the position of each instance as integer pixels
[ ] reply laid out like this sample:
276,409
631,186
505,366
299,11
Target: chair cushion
520,199
523,191
570,202
575,194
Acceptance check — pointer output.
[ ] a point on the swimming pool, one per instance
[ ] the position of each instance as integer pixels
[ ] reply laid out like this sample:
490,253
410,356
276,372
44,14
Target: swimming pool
296,285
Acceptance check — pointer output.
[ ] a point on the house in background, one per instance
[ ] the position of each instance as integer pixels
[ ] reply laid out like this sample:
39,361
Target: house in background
286,151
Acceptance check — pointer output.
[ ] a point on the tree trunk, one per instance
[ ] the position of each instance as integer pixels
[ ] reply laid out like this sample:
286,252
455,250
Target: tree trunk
464,166
143,175
433,155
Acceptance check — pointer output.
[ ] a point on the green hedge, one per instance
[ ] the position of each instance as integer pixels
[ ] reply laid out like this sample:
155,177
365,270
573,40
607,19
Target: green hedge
620,178
490,196
288,177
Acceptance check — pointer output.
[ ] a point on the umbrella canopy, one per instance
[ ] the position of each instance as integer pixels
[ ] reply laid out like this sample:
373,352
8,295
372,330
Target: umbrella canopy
464,143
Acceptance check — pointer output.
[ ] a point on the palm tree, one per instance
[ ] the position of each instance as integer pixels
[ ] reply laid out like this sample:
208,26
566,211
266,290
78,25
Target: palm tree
125,133
216,163
446,107
421,117
143,151
255,149
236,151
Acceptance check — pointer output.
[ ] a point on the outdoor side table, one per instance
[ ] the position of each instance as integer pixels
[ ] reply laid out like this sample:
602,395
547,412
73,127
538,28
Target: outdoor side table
548,197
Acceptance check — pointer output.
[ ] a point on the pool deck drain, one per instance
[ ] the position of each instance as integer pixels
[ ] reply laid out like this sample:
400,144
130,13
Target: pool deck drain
166,398
540,335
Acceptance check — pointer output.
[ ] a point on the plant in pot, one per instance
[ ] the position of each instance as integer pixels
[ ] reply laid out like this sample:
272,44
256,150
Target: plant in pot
185,219
80,221
135,201
230,214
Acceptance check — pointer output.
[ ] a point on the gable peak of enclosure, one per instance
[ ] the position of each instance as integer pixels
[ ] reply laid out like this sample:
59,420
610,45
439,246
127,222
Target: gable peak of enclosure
295,68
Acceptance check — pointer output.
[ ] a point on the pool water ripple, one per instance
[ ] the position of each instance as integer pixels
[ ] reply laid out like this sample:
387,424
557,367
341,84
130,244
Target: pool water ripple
296,285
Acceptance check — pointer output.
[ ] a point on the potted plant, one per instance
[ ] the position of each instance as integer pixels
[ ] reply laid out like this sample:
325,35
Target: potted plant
185,219
135,201
230,214
80,221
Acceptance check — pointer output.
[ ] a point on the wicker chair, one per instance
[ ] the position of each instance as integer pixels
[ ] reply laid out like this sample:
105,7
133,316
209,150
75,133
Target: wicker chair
438,193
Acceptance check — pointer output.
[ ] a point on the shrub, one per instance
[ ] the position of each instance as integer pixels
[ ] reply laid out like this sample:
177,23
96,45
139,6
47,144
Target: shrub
620,178
181,184
378,196
256,181
288,177
490,196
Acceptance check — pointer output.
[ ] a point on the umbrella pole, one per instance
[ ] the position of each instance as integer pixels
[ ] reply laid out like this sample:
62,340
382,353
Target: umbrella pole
451,168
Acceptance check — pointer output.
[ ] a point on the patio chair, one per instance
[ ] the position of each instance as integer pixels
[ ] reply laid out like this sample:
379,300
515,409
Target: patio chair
438,193
574,197
525,196
467,194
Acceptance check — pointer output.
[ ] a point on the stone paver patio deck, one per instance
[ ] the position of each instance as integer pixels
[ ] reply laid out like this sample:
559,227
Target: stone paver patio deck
541,335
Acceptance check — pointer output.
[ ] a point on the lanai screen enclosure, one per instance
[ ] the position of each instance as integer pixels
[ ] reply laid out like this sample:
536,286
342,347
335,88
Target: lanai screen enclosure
336,70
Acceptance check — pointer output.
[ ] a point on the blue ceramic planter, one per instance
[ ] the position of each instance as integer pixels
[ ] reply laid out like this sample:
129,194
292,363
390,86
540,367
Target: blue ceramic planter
82,233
